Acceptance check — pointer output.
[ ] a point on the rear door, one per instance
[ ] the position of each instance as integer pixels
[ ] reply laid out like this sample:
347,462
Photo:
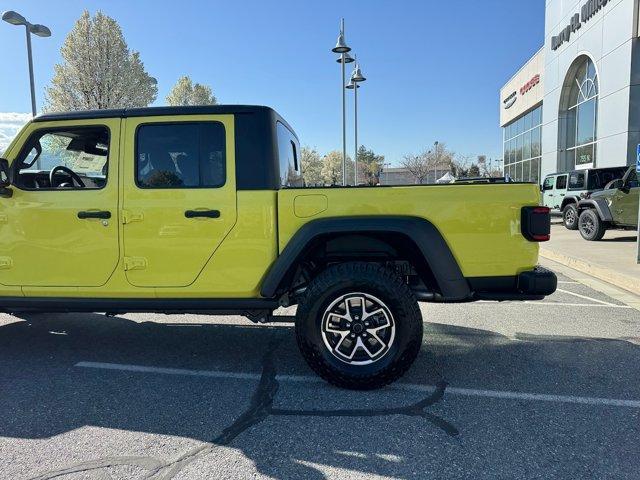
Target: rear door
548,193
179,196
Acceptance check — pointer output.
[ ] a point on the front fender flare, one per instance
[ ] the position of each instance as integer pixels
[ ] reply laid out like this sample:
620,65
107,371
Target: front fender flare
600,206
423,233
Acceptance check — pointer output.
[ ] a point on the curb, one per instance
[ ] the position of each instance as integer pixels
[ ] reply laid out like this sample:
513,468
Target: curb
625,282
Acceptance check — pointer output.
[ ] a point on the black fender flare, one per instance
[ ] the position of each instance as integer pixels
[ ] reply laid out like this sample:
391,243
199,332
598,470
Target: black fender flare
567,200
423,233
599,205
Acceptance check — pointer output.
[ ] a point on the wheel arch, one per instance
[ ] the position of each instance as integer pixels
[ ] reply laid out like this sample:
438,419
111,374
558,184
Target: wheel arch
567,200
599,205
434,257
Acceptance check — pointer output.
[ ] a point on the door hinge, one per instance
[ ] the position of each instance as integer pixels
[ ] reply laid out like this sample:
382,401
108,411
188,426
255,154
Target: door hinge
6,262
135,263
130,217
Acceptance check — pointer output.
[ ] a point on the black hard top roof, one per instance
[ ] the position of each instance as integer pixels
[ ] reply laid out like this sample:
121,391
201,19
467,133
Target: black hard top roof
150,111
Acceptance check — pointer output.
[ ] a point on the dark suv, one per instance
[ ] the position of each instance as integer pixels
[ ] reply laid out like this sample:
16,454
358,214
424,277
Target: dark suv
614,207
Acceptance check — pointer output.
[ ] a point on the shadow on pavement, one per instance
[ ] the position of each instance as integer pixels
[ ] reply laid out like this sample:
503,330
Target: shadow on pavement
42,393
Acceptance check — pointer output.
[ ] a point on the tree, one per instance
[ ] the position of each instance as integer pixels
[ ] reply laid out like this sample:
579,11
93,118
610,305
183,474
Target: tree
418,165
332,168
311,166
474,170
185,92
369,166
98,70
429,161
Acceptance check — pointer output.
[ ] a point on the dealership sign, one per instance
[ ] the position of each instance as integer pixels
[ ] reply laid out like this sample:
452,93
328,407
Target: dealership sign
510,100
587,11
530,84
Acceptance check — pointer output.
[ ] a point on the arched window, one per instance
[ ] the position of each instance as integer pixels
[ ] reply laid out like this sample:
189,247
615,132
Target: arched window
578,115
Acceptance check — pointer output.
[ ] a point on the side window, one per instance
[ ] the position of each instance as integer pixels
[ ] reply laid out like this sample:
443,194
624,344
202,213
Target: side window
632,180
64,158
290,170
548,183
561,182
576,180
181,155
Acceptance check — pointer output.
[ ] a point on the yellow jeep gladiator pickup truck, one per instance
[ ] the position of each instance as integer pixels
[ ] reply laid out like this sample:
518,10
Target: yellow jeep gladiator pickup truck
204,210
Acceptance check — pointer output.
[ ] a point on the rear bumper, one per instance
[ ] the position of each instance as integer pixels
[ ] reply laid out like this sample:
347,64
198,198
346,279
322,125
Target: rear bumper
529,285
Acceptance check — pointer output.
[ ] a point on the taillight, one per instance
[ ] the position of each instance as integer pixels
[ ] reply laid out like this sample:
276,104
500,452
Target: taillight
536,223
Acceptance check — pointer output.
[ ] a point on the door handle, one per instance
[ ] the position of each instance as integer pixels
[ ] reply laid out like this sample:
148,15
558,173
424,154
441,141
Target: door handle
202,214
103,214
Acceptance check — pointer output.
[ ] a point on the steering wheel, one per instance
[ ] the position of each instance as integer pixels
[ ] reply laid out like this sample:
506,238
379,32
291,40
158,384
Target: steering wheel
73,175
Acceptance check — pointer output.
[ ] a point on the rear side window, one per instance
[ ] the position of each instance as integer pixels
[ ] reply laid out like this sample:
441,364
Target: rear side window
599,178
181,155
290,169
576,181
561,182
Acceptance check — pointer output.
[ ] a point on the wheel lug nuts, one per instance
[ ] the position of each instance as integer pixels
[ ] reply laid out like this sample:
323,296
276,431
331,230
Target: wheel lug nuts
366,324
353,335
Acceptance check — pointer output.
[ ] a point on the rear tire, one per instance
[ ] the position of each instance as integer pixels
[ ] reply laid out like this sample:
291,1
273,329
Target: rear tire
570,217
591,227
359,326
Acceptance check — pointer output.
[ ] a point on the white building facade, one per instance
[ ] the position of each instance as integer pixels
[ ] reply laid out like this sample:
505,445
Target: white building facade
576,103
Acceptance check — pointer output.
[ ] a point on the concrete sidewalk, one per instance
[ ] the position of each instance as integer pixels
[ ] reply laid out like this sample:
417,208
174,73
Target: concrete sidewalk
613,259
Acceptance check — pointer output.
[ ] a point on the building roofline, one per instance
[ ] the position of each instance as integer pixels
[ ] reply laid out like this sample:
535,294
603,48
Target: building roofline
524,65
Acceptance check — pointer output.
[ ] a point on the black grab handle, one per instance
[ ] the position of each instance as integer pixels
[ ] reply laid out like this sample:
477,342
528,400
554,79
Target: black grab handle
103,214
202,214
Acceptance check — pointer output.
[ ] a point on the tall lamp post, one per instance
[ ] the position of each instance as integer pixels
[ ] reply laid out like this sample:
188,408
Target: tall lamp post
356,78
342,48
15,18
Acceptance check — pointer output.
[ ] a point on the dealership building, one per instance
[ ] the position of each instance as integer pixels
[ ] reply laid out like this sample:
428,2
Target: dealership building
576,102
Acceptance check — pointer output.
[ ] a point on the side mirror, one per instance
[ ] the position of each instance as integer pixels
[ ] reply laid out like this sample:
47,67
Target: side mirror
5,173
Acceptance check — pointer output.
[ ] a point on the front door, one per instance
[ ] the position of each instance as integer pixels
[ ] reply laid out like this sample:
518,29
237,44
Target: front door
60,229
548,194
179,196
625,201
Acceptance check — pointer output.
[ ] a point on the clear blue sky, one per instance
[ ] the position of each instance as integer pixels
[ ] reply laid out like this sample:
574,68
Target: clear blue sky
434,68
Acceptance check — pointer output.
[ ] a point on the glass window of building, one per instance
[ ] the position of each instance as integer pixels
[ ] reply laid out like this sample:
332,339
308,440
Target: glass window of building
579,113
522,147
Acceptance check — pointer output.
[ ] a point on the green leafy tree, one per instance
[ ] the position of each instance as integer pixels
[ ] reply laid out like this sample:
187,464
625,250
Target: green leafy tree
98,70
311,166
185,93
369,166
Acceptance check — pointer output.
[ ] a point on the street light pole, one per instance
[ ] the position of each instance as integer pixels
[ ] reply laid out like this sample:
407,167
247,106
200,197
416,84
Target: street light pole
343,49
354,84
31,80
15,18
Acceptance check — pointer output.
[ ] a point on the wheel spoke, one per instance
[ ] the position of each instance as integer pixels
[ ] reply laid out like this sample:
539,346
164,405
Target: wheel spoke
355,335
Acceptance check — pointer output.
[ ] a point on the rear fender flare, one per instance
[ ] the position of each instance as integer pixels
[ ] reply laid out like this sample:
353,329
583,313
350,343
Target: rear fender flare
423,233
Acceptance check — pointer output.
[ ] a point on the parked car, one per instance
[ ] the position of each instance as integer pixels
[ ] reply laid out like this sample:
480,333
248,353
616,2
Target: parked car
563,191
203,210
614,207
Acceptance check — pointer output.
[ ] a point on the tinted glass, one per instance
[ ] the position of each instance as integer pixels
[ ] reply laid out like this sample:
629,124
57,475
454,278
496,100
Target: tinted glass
599,178
561,182
576,180
181,155
290,172
632,180
548,183
586,122
535,170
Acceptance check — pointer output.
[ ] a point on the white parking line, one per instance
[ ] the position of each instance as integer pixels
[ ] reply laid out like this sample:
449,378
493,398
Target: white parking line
555,304
467,392
585,297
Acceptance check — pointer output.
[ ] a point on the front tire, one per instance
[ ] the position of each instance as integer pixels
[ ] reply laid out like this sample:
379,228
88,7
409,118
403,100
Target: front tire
570,216
591,227
359,326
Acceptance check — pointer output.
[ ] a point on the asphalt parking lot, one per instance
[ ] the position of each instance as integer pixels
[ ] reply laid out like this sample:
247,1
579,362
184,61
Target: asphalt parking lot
548,389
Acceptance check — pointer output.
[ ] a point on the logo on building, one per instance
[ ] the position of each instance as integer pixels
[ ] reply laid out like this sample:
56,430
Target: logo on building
530,84
510,100
587,11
